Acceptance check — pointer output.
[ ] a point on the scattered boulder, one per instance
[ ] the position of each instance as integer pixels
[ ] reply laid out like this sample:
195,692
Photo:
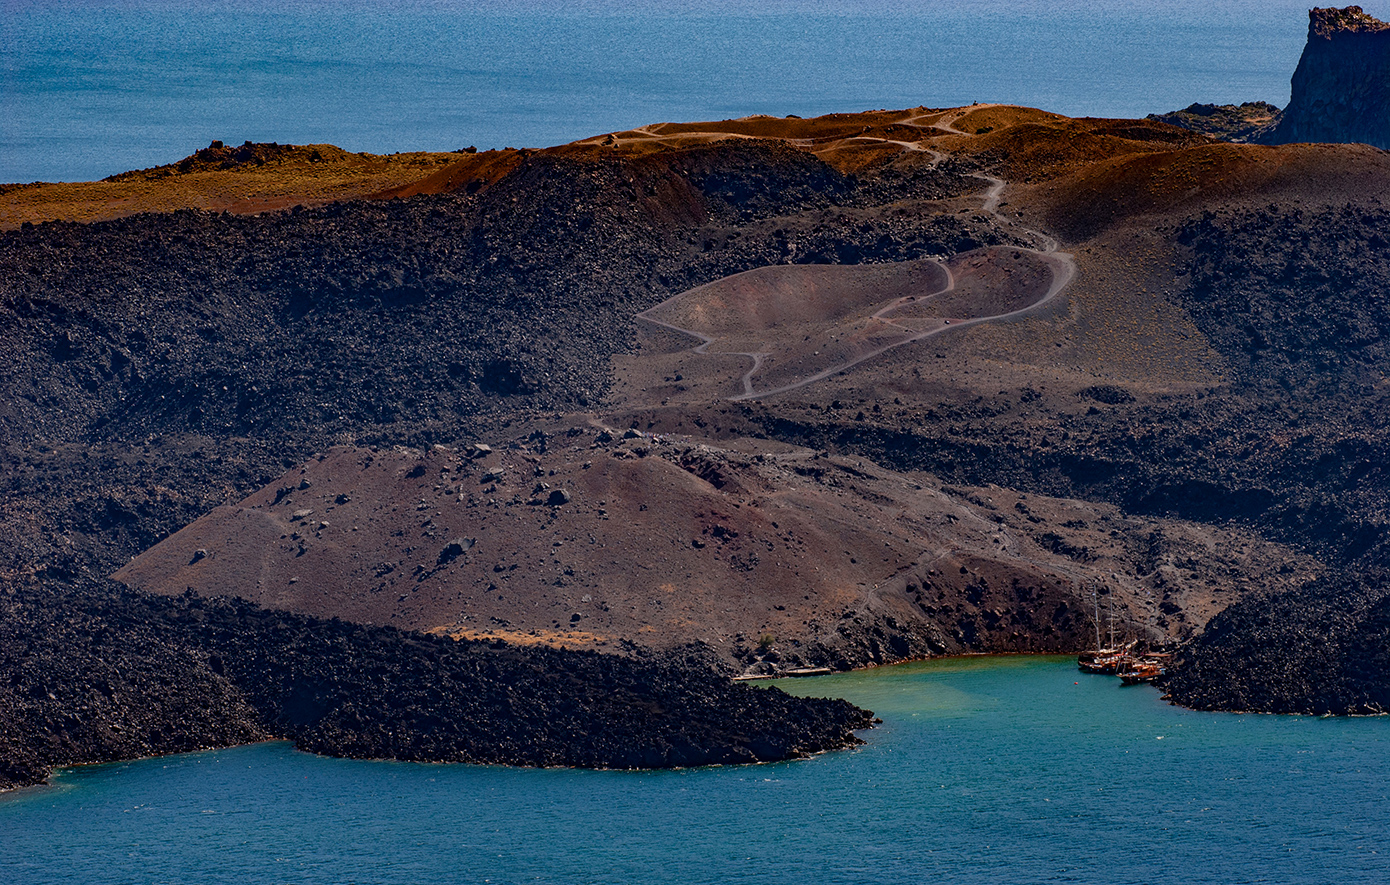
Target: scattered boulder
454,549
1108,394
558,497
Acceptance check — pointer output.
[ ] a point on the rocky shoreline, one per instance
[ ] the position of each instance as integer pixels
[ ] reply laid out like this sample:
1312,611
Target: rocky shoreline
1323,649
97,673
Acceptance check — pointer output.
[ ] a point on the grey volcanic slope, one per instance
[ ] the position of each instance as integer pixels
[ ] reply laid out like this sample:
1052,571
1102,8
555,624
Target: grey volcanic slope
163,364
1292,441
791,556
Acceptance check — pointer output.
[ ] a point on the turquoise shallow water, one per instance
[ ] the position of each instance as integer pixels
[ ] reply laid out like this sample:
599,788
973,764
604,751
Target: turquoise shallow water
89,88
985,770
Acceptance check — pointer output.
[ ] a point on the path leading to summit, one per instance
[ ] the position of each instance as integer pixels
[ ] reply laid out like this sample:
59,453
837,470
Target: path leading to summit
792,349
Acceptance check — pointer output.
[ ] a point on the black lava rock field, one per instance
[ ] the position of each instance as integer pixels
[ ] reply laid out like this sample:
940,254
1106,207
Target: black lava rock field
1318,650
104,674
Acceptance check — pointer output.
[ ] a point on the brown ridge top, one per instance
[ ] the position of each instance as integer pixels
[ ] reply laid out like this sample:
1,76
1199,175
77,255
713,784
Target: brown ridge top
1087,168
247,179
1104,192
260,177
472,172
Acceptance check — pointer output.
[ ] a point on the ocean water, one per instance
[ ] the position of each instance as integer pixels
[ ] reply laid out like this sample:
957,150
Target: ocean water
986,770
89,88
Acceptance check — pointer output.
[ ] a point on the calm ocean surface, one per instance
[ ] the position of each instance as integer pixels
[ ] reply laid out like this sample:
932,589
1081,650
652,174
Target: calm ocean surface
89,88
986,770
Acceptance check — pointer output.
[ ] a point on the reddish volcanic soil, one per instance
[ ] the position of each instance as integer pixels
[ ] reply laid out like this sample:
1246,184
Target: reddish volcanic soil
587,538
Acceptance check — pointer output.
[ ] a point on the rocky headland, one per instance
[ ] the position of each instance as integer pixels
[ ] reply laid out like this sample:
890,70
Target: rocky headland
1341,88
99,674
1339,93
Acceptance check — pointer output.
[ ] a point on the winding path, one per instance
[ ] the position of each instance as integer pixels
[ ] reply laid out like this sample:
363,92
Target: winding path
705,342
1062,264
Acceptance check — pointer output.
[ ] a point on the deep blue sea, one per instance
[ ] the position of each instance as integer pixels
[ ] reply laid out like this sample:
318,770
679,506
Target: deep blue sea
986,770
89,88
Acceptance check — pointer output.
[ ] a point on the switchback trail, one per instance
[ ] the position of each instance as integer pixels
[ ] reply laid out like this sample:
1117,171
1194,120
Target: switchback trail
1062,265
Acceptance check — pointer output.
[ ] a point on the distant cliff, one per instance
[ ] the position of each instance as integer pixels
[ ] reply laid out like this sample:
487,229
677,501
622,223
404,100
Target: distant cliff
1341,88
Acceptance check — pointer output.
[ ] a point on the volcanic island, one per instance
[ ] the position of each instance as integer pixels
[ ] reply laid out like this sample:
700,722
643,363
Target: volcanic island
518,456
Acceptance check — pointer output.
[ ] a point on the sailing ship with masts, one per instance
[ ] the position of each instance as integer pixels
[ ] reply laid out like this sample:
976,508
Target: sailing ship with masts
1119,659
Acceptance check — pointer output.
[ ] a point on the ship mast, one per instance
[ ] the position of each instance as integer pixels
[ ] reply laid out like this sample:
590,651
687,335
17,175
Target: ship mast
1095,599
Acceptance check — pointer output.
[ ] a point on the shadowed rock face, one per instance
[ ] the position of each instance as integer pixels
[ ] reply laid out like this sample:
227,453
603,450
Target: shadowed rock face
1341,88
1319,649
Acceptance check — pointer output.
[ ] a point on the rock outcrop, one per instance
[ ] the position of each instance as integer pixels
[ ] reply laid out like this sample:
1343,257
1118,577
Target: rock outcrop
1246,122
1341,88
1323,648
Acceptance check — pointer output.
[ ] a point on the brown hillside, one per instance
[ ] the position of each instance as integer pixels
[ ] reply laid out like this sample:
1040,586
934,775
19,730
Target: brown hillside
249,179
1179,181
663,541
1038,151
467,174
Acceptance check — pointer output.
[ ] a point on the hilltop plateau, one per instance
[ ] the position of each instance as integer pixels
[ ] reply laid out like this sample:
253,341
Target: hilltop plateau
248,178
728,396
